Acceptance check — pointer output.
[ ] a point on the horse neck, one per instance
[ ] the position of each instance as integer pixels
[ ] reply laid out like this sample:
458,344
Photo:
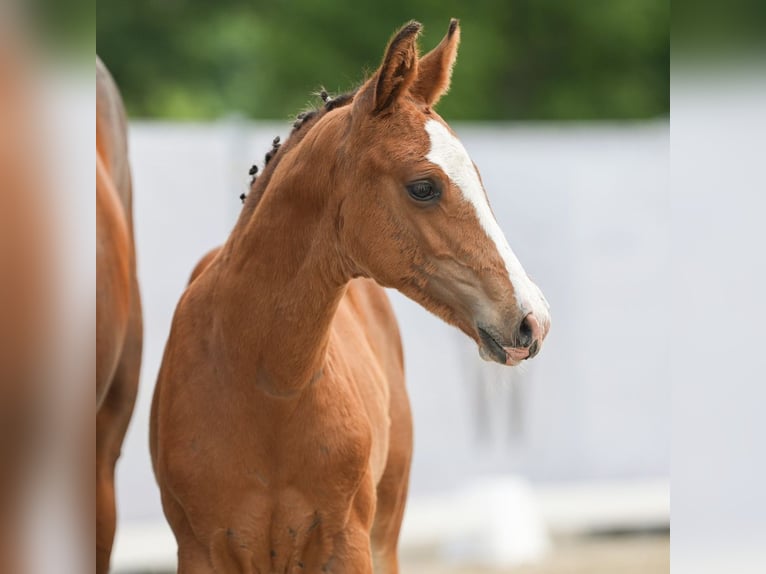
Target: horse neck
281,282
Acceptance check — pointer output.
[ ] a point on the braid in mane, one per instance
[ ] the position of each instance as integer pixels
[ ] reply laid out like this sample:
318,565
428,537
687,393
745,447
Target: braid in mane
302,125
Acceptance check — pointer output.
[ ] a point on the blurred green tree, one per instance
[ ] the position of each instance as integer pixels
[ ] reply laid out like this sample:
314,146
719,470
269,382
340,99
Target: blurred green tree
519,59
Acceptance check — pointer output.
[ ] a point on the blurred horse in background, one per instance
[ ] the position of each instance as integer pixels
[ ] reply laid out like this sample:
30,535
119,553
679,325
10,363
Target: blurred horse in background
119,328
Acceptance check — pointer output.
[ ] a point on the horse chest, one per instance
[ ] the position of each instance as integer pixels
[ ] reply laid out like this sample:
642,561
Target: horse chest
303,480
332,437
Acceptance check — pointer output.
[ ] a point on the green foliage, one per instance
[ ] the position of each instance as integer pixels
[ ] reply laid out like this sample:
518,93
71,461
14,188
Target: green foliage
519,59
67,27
712,29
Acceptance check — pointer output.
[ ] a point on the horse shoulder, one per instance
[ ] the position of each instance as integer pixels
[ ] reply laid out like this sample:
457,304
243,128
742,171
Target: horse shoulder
368,336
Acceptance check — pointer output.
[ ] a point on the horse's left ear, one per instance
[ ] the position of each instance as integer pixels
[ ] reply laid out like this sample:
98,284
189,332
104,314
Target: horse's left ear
399,68
435,68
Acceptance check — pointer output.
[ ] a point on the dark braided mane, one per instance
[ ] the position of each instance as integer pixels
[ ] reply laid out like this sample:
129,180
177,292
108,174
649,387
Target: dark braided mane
302,125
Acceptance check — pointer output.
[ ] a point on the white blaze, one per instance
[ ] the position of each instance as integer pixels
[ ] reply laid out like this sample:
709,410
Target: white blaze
449,154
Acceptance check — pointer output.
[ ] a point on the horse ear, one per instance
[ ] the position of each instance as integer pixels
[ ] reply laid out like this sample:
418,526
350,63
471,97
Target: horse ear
399,68
435,68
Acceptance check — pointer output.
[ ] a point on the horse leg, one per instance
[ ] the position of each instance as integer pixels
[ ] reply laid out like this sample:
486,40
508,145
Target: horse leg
112,421
392,488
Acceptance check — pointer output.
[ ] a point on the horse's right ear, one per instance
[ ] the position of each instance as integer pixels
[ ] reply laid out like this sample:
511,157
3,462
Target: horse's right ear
398,70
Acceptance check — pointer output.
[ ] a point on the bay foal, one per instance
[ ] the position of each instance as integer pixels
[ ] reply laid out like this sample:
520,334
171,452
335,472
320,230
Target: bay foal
281,432
119,332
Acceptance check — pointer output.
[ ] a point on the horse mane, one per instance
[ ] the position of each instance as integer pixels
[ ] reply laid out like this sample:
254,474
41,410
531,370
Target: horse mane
304,121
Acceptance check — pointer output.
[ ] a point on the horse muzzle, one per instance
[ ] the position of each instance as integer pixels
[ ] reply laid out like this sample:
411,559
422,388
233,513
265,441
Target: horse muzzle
523,342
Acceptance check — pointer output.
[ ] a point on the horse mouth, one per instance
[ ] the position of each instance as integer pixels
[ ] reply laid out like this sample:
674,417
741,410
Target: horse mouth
490,349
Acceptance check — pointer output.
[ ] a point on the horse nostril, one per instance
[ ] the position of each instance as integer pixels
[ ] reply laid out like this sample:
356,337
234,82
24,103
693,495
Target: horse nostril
529,330
525,333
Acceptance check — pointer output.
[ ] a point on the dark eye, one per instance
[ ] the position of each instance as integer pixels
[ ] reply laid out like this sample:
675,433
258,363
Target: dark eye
423,190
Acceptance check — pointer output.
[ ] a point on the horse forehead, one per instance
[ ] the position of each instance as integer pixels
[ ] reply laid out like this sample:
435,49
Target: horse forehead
407,128
446,151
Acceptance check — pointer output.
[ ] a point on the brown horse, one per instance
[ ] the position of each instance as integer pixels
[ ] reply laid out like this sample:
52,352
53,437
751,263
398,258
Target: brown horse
119,332
281,432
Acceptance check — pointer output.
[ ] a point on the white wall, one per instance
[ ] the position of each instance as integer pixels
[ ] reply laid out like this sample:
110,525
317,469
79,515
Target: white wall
585,209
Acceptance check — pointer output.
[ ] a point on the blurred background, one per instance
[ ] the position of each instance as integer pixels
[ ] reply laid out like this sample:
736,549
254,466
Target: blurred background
561,465
521,59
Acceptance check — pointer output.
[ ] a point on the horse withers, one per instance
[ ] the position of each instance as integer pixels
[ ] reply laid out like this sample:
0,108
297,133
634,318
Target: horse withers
281,432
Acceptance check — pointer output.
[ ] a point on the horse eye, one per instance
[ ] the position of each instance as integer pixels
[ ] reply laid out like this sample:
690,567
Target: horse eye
422,191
